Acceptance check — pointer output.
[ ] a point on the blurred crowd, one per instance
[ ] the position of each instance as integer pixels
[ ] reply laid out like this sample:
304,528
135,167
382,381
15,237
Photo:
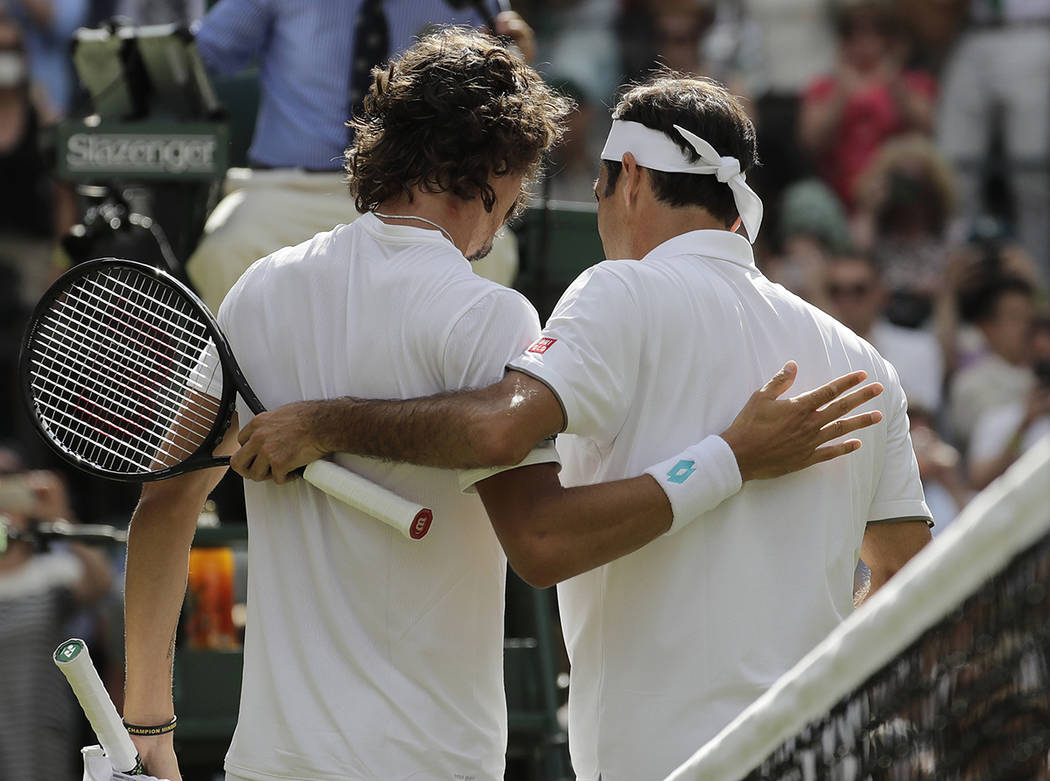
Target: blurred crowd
905,149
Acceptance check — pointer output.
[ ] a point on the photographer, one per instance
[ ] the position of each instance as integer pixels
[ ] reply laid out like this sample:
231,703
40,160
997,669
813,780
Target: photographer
1003,433
39,591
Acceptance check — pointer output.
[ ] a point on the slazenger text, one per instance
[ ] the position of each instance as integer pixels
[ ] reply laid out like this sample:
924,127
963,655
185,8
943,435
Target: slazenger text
160,153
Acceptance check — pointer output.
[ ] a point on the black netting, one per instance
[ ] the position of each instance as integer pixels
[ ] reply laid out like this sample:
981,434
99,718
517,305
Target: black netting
969,700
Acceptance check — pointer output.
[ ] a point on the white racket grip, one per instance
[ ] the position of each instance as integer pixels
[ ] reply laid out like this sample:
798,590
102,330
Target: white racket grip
74,661
411,519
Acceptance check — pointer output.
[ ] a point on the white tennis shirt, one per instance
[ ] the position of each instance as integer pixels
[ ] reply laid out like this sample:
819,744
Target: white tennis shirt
367,655
671,642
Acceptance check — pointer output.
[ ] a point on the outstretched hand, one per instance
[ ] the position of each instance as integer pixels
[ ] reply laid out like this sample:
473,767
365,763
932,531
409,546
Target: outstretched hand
772,436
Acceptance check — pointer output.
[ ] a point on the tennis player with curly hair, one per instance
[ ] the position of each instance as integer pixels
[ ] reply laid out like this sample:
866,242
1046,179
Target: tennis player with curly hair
366,655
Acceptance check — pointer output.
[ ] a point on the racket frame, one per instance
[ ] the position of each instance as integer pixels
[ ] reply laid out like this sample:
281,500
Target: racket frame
233,378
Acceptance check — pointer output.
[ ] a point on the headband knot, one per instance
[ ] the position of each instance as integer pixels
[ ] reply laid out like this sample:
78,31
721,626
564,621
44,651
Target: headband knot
728,167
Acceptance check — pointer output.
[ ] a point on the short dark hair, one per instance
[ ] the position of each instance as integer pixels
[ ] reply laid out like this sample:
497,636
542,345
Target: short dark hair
707,109
451,111
979,301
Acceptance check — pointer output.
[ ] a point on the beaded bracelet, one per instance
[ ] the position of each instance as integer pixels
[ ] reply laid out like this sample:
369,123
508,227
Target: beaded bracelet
159,729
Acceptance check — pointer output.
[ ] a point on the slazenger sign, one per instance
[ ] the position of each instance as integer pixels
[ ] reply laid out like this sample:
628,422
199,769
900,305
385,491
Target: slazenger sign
119,152
140,153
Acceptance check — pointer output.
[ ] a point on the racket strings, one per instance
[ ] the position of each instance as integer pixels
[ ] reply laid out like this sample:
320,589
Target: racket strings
105,417
122,375
130,396
111,346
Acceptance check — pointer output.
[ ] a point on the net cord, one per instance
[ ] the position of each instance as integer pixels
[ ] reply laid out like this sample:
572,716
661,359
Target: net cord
1003,520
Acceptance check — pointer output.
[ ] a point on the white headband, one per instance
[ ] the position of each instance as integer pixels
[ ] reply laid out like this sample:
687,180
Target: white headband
653,149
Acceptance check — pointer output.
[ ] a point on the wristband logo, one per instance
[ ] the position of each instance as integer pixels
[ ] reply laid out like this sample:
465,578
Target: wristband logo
681,471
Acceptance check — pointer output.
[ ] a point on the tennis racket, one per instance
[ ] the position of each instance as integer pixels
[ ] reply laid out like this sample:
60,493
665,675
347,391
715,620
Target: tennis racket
74,661
127,376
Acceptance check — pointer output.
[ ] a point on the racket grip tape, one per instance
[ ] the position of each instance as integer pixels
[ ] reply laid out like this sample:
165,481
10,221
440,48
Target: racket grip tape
74,661
411,519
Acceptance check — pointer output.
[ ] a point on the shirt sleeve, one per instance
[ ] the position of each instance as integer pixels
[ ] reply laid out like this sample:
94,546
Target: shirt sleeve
497,327
233,33
589,353
898,494
544,453
494,330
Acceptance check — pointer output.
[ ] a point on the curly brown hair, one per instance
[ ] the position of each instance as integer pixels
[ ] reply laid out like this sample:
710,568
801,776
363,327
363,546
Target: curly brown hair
450,112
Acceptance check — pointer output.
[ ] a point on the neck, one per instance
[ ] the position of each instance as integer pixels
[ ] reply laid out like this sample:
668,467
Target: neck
659,224
454,215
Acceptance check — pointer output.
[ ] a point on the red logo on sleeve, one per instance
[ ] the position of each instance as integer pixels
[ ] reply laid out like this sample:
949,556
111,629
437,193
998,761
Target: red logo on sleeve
541,345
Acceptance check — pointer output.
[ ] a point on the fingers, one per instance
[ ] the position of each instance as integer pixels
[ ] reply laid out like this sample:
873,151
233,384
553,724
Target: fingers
241,462
848,403
246,433
845,426
829,452
828,392
780,381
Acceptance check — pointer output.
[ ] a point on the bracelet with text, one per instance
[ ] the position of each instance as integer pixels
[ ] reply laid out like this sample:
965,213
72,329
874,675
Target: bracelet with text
158,729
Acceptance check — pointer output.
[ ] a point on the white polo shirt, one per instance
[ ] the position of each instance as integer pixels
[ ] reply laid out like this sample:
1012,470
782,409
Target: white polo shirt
671,642
369,656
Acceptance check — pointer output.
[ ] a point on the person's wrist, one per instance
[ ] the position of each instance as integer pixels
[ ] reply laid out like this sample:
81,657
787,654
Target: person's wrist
321,427
151,730
697,480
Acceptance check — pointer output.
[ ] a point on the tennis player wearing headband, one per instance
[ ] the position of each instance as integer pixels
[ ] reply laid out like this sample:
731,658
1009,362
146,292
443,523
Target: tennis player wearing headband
644,356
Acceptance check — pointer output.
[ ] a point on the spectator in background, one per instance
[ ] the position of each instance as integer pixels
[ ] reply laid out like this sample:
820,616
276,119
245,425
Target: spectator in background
858,298
943,484
1003,433
813,227
677,35
48,26
313,59
1002,307
576,42
999,74
947,492
38,592
846,116
932,28
776,49
26,223
904,202
989,253
571,173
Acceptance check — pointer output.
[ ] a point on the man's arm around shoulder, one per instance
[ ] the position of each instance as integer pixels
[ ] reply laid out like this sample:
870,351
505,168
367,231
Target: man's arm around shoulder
551,533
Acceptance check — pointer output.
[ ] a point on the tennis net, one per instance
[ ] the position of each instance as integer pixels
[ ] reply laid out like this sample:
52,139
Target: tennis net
943,674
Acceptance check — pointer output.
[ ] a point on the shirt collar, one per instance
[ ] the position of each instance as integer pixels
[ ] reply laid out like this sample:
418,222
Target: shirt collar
721,245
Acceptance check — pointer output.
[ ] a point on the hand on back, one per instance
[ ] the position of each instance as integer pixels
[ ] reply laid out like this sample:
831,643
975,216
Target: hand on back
772,436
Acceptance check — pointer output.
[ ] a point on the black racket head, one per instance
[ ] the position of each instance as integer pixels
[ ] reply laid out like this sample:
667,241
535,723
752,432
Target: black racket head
114,353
